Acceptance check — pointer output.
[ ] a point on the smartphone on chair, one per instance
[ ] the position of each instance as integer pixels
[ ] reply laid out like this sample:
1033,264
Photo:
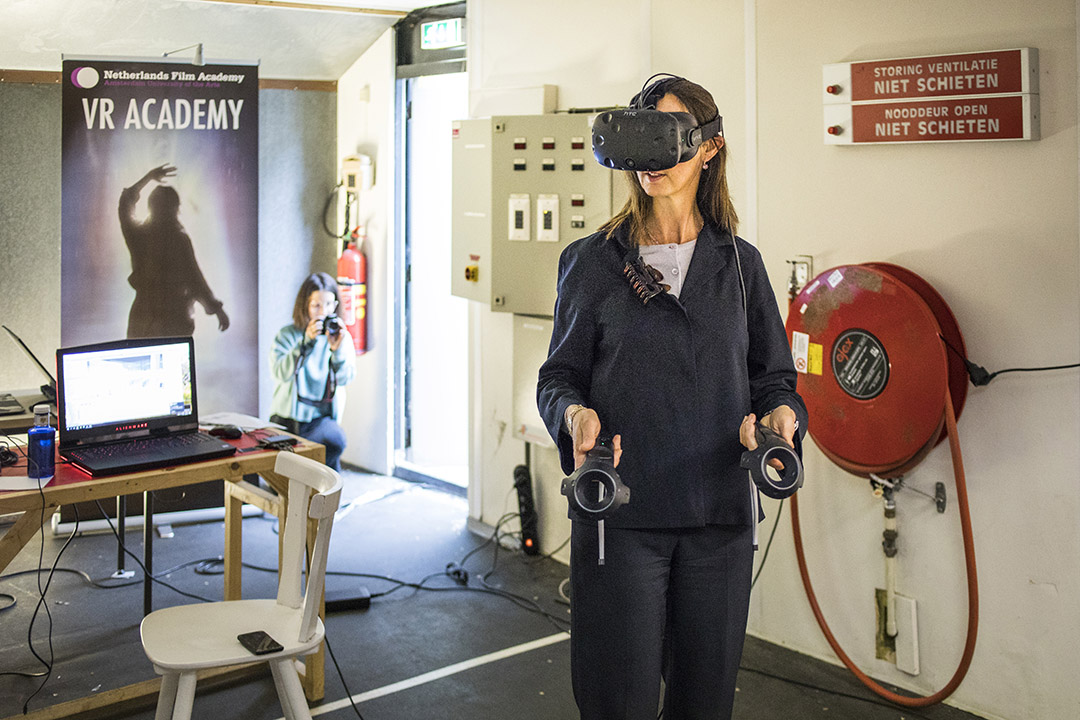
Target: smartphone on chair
259,643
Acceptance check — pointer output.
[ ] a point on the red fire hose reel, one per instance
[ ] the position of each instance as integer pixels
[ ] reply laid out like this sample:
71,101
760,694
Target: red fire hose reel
882,389
873,369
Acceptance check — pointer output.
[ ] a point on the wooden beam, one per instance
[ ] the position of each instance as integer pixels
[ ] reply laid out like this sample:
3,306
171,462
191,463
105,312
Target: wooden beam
315,6
313,85
49,77
30,77
134,697
19,534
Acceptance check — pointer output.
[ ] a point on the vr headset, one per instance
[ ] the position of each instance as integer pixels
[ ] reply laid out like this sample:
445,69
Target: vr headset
641,138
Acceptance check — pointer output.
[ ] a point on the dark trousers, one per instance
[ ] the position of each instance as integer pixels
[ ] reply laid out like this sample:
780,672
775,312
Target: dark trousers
323,430
671,602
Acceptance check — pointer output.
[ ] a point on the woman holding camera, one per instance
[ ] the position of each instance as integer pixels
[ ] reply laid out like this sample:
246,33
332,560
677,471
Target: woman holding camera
310,361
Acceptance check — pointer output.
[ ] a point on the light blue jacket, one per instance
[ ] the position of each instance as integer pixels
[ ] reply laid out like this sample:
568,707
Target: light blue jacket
301,368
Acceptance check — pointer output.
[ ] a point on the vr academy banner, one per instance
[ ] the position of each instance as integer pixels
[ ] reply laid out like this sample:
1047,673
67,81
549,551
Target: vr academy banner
160,213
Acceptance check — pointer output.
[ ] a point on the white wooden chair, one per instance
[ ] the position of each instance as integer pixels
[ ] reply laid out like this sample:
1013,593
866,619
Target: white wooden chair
184,639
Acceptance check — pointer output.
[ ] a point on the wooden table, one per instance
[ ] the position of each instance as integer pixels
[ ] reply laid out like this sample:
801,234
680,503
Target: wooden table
71,485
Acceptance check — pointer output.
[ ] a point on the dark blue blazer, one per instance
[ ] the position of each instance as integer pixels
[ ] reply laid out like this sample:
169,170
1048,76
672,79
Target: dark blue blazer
674,377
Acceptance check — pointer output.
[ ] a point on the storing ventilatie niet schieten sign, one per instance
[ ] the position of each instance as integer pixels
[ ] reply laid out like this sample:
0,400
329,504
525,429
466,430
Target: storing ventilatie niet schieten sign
989,95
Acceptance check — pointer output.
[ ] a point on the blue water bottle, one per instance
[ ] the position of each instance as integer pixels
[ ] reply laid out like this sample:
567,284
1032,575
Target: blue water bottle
41,462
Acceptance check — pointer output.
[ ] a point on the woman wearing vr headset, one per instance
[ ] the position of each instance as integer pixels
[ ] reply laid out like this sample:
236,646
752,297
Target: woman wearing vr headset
667,336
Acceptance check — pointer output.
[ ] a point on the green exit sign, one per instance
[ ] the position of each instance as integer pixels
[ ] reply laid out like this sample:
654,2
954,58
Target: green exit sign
441,34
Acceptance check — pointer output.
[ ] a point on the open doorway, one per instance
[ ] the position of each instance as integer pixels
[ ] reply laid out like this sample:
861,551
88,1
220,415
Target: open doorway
433,380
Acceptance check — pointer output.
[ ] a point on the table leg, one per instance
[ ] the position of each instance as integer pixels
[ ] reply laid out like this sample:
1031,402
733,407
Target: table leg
121,518
148,551
233,543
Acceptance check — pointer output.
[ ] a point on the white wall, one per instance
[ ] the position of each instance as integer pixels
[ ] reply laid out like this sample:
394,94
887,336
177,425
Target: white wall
992,226
366,126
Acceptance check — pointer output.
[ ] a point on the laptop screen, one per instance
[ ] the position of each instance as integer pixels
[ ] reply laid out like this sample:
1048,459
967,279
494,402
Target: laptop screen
126,389
32,356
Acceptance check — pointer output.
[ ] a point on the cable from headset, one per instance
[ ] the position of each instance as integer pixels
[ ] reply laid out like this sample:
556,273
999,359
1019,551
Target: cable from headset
640,100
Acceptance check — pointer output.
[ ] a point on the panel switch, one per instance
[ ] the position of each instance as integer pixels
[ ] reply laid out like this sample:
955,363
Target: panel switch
518,228
547,218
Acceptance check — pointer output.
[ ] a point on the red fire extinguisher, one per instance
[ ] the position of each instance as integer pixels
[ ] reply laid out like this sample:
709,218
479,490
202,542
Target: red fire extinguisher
352,285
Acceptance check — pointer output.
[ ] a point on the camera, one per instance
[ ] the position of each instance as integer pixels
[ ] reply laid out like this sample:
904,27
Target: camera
332,325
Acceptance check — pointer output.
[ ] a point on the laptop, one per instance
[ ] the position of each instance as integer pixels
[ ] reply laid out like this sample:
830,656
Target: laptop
131,405
49,388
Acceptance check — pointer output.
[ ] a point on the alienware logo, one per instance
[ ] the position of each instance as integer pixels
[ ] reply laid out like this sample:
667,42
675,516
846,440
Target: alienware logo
85,77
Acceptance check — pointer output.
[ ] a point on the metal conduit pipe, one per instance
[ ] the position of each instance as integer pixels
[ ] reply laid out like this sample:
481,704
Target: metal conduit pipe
972,583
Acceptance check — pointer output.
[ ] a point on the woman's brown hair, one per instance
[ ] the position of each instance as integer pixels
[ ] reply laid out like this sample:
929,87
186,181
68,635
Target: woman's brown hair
713,194
315,282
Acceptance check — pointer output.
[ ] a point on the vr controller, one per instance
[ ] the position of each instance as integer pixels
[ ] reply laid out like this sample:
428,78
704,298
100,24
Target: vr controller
777,484
594,489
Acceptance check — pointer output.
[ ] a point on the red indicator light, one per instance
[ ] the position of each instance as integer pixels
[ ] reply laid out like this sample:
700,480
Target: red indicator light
835,130
834,89
528,542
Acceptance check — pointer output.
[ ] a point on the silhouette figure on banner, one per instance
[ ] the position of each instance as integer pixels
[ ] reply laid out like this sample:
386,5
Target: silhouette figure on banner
164,272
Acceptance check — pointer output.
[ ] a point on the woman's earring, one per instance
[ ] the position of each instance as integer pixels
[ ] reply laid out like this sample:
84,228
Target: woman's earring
705,166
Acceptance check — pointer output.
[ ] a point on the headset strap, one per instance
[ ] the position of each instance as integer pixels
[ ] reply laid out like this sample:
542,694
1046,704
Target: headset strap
707,131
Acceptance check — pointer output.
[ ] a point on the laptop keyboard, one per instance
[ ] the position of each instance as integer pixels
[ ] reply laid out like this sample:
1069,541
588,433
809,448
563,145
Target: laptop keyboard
141,447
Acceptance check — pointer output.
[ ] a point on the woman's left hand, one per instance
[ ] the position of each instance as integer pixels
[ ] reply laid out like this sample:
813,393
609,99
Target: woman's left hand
782,421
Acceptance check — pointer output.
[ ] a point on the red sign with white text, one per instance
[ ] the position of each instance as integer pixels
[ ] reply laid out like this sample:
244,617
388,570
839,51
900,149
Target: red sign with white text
992,118
983,73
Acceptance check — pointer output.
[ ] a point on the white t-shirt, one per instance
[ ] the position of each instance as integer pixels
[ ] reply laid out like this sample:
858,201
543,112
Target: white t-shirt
672,260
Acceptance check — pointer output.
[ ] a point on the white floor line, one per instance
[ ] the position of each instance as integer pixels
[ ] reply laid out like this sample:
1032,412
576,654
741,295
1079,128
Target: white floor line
440,673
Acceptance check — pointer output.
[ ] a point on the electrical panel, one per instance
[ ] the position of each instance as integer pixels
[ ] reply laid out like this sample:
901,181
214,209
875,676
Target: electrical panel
524,186
532,335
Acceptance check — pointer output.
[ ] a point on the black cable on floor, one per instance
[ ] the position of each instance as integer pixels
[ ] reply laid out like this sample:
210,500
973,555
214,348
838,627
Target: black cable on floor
47,672
199,570
341,675
873,701
139,562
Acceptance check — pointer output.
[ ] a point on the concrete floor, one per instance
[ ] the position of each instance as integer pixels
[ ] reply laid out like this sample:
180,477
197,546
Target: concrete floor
450,651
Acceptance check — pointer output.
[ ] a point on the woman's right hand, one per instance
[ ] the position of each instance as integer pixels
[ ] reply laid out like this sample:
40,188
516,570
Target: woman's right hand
585,429
314,329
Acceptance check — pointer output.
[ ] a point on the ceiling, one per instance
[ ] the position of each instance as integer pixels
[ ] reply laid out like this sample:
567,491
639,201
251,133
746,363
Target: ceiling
289,40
